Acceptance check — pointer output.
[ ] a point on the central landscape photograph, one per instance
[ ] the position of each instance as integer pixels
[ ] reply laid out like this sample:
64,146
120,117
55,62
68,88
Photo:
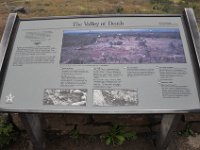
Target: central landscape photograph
122,46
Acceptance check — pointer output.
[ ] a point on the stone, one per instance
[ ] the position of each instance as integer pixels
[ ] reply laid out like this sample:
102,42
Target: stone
90,124
64,122
19,9
17,121
194,141
93,129
67,119
156,128
137,129
195,126
122,119
100,129
58,126
192,117
181,126
55,122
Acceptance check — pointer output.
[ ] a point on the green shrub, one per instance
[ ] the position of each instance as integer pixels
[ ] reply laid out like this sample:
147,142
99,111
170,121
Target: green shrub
166,8
74,133
119,9
187,131
117,135
7,133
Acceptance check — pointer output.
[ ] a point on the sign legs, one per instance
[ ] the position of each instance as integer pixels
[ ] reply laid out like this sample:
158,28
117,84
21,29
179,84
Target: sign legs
33,127
168,125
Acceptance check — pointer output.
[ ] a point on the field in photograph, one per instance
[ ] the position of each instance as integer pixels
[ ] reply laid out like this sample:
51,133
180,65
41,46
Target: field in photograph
122,97
65,97
123,46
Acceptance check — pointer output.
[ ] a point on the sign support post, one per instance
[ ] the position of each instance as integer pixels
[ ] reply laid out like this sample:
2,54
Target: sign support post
32,125
169,123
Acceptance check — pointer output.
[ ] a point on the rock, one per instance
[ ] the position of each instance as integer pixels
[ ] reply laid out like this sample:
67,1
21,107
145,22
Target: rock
101,129
194,141
17,121
195,126
19,9
122,119
55,122
137,129
192,117
61,121
156,128
93,129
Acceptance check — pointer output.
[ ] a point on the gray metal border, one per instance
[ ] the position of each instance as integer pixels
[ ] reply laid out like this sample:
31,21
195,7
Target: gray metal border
189,19
100,16
193,27
60,111
6,45
193,38
7,36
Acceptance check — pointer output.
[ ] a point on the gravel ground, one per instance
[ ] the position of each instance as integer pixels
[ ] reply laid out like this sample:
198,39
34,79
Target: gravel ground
187,143
84,142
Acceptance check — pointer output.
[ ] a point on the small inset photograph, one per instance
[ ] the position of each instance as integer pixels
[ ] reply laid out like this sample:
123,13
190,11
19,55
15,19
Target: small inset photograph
65,97
112,97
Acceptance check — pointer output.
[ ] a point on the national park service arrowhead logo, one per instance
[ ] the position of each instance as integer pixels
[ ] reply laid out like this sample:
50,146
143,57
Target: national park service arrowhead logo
9,99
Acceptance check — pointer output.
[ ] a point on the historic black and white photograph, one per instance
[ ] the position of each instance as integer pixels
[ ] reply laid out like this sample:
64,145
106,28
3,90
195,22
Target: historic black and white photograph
66,97
122,97
122,46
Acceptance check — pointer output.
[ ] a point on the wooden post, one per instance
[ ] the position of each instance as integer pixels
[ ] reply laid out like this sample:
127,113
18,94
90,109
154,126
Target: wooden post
168,125
32,125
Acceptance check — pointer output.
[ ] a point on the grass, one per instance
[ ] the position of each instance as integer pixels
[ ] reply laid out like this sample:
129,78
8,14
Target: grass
39,8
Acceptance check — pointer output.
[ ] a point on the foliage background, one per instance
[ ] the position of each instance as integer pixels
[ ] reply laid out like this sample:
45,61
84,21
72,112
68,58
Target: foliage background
38,8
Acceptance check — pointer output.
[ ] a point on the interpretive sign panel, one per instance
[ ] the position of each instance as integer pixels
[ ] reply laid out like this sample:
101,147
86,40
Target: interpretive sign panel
125,64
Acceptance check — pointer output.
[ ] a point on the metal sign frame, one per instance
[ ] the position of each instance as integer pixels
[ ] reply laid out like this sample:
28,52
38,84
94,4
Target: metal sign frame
189,24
